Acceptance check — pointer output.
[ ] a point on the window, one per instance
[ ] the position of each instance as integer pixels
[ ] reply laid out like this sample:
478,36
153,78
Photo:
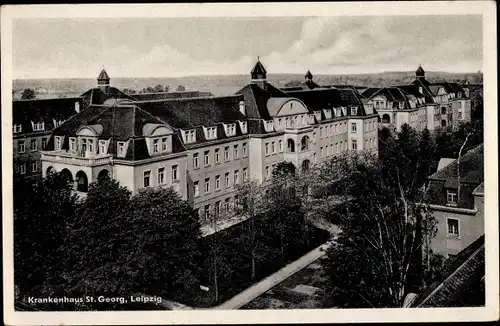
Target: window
190,136
121,149
102,146
22,168
21,146
273,147
245,174
16,128
196,162
453,227
451,196
161,176
280,144
207,212
236,177
227,204
235,152
164,144
268,172
33,166
321,132
216,155
267,149
206,158
321,151
353,127
33,145
156,145
207,185
196,188
147,177
57,142
39,126
460,115
227,179
175,175
245,150
91,145
217,208
217,182
44,143
226,153
354,144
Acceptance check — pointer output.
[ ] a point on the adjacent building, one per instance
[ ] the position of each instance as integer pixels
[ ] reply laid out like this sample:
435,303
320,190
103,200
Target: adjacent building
32,125
457,203
205,145
421,104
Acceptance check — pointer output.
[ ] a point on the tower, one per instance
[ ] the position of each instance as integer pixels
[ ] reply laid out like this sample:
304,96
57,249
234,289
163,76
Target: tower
308,76
259,74
420,73
103,81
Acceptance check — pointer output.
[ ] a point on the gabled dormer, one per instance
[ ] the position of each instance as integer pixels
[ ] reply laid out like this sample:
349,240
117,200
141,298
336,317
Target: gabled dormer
57,123
188,136
268,125
328,113
317,114
121,148
210,133
230,129
344,110
310,119
243,127
103,146
17,128
354,110
338,112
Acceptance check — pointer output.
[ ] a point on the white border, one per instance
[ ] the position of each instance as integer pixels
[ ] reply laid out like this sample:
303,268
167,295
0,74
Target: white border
485,8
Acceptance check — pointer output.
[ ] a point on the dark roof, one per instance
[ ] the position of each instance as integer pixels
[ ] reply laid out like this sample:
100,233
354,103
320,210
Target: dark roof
169,95
103,75
411,89
38,110
462,274
256,99
370,91
189,113
95,96
420,71
471,168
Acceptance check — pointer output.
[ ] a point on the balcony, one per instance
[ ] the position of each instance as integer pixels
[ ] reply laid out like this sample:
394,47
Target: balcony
73,158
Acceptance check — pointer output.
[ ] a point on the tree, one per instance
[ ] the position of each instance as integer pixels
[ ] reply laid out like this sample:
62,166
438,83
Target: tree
28,94
41,214
284,169
129,91
373,261
181,88
145,244
158,89
293,83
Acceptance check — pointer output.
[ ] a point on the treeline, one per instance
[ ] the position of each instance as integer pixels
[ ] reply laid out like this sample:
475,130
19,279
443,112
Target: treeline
113,244
156,89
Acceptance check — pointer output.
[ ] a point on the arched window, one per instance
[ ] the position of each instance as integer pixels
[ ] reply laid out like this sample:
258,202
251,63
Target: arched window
304,143
305,166
386,118
82,183
50,171
103,175
443,110
443,123
290,146
66,174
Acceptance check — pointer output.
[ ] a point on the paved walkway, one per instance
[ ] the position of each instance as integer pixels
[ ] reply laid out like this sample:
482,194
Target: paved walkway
263,286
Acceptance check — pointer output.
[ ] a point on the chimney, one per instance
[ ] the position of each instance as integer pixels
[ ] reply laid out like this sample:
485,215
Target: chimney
243,108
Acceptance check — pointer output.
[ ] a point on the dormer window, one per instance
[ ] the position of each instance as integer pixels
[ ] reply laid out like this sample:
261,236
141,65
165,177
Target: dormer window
230,129
189,136
310,119
121,149
243,127
210,132
57,123
344,111
72,144
317,114
39,126
156,145
102,146
338,112
459,94
269,126
354,110
328,113
17,128
58,141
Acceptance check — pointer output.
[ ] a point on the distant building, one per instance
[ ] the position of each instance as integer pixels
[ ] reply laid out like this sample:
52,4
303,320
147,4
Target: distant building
421,104
458,205
461,283
203,146
32,125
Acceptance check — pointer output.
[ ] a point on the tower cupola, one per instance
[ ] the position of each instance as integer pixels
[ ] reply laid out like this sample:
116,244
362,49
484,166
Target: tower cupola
420,73
103,81
258,72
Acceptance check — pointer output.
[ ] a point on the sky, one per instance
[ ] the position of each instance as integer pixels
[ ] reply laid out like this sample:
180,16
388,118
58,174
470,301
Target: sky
173,47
